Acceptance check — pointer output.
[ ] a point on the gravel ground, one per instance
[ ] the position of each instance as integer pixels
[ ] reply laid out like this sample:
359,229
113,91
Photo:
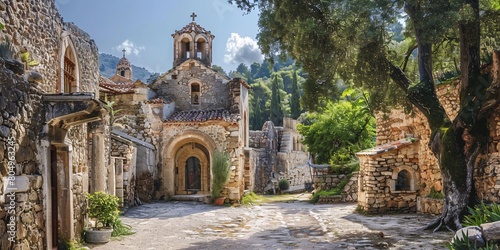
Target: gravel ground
292,224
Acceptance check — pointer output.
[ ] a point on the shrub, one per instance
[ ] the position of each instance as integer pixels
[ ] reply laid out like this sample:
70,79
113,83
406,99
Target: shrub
481,214
284,184
103,208
220,172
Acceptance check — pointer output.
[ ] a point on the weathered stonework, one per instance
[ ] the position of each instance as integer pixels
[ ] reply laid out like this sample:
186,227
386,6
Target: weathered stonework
276,153
396,125
325,181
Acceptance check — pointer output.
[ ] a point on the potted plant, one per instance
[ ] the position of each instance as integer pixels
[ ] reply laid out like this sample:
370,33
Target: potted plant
220,172
103,210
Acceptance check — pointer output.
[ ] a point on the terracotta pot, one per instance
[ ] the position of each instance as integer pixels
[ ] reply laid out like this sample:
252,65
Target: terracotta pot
219,201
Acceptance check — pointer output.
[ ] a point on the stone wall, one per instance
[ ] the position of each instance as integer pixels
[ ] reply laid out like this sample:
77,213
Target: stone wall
20,122
37,26
214,92
325,181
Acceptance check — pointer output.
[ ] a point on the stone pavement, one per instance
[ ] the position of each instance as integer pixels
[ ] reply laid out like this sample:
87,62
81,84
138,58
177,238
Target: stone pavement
293,224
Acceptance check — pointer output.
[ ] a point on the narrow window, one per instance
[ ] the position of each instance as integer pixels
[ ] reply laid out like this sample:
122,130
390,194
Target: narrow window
195,93
69,71
122,73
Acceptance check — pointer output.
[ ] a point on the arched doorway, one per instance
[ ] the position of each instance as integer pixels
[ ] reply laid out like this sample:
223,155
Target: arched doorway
192,169
193,174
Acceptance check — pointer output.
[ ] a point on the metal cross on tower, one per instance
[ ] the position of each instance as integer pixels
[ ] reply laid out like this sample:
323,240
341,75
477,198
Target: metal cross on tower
193,16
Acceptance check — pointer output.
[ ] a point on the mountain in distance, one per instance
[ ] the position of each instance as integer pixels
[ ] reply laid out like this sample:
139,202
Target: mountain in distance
107,68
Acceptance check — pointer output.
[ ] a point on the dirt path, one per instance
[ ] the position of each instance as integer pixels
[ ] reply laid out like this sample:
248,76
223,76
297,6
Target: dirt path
294,224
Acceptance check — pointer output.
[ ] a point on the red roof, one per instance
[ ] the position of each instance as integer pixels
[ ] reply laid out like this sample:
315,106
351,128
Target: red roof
108,86
202,116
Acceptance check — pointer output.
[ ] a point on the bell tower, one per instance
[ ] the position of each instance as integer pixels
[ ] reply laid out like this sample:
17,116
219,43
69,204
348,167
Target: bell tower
124,68
193,42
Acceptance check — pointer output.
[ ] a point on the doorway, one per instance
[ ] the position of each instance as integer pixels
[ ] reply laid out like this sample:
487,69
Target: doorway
193,174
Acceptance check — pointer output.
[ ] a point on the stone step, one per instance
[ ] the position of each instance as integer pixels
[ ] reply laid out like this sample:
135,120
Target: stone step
192,197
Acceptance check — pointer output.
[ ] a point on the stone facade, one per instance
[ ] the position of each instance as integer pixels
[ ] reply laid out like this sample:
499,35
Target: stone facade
388,178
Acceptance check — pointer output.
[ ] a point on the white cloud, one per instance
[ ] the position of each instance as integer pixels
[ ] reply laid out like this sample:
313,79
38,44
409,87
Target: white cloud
130,47
242,50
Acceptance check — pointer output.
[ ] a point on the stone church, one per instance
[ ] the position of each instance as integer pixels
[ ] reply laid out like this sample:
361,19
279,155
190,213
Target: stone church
201,111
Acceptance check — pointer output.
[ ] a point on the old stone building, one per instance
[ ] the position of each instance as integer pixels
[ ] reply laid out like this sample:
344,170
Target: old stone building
198,110
276,153
401,173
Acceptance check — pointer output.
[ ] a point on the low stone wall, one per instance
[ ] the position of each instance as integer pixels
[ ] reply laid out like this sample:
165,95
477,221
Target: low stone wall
327,182
427,205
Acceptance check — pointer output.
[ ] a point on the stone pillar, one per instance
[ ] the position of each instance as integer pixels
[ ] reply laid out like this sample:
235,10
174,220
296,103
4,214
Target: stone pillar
111,177
99,172
119,179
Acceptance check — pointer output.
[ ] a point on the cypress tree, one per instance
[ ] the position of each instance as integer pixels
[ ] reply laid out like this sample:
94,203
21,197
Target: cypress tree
295,100
276,113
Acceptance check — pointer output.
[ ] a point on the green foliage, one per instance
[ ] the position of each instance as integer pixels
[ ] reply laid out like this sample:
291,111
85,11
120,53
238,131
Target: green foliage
344,168
465,244
220,172
72,245
284,184
335,191
341,130
295,99
481,214
103,208
120,229
435,194
250,198
219,69
276,115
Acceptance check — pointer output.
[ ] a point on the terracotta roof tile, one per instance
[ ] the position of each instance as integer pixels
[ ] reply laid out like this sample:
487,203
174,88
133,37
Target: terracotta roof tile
202,116
108,86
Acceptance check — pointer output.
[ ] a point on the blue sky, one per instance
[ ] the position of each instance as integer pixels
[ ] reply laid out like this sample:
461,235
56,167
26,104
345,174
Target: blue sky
144,28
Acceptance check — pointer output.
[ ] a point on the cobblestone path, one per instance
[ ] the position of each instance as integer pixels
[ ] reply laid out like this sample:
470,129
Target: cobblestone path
294,224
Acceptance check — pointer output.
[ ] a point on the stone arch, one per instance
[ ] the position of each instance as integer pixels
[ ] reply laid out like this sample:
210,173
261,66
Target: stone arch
171,152
186,45
404,178
69,80
183,179
202,45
